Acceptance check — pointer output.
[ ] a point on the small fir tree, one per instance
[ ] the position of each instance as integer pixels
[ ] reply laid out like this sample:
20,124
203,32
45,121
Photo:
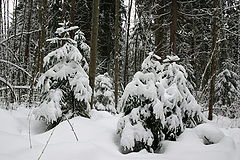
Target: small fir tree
104,95
228,91
142,124
157,105
65,85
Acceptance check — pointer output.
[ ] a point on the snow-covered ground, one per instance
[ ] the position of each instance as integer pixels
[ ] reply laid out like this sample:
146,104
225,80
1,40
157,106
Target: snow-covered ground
98,140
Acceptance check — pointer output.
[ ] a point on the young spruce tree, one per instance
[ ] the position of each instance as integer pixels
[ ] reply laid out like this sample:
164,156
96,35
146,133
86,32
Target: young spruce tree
157,105
104,93
65,85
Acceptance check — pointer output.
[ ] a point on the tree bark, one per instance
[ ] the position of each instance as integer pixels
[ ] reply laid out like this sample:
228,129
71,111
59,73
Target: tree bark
72,16
125,76
158,32
42,38
173,28
215,55
30,4
116,52
94,39
1,22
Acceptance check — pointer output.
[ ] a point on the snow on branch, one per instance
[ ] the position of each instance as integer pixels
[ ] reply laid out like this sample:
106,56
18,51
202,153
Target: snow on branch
19,34
22,69
9,85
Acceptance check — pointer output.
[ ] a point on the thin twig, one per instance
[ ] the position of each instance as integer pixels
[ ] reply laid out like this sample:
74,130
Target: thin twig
72,128
46,143
29,128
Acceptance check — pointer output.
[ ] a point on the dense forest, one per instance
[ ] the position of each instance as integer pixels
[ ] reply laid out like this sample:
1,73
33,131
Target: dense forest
165,65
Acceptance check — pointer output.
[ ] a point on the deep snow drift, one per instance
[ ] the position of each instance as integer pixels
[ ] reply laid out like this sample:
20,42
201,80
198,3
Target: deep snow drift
98,140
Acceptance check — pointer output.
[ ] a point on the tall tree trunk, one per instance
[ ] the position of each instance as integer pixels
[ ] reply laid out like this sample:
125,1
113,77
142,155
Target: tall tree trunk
135,54
94,39
1,22
173,28
72,16
30,4
238,31
158,32
19,53
125,76
15,26
116,51
43,25
215,55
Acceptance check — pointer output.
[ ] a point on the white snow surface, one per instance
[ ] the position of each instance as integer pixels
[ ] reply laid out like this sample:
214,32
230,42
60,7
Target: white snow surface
98,140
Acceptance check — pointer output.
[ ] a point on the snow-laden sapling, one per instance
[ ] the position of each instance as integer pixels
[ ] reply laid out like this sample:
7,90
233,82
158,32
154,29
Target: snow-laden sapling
65,85
180,107
104,95
228,92
157,105
82,45
142,124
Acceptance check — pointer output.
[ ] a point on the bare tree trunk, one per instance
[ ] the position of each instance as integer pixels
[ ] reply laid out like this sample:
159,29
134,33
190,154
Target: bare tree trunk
215,55
15,26
173,28
72,16
159,30
1,22
42,38
94,39
238,39
135,54
135,44
116,52
125,76
19,53
193,44
30,4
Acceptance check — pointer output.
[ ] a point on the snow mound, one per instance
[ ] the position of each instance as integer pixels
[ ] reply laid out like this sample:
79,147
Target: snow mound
11,126
97,140
209,133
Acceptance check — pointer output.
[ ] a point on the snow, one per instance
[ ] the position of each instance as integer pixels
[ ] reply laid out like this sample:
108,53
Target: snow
209,133
171,58
142,84
98,141
50,109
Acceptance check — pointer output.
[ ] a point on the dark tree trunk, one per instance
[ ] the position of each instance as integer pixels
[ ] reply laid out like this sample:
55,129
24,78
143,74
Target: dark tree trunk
125,76
173,28
215,55
42,38
72,16
116,52
94,39
30,4
159,30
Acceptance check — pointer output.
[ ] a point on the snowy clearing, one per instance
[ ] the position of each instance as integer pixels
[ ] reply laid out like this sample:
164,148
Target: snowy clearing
98,140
